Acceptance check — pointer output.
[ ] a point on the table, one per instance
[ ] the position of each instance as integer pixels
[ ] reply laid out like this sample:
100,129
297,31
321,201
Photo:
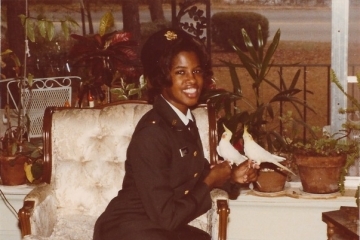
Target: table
342,223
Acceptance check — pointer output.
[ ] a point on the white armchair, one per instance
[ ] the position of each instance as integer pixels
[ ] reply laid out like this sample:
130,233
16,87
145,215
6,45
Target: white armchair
85,150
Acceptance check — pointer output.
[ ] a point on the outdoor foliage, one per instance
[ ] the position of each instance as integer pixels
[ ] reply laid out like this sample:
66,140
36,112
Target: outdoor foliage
229,25
257,117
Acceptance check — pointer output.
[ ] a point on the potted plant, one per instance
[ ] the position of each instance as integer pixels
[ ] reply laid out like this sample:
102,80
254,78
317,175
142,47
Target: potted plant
17,152
262,116
102,57
322,159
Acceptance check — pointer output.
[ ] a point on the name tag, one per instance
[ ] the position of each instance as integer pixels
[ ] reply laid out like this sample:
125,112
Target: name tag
184,151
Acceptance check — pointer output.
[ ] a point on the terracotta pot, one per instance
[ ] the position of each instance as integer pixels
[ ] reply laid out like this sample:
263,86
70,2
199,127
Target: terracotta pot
271,178
320,174
12,170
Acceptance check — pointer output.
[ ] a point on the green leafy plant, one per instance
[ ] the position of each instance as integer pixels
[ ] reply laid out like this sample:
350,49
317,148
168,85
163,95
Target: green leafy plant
321,143
125,91
258,117
99,57
352,144
45,27
15,143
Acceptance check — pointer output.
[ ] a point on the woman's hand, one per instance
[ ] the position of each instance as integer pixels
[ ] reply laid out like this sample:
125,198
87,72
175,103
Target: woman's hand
245,172
218,175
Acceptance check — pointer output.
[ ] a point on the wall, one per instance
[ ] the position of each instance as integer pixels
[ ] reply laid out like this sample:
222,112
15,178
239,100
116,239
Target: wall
288,218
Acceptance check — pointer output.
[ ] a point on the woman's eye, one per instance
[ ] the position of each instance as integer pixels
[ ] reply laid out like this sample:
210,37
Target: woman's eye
180,72
198,71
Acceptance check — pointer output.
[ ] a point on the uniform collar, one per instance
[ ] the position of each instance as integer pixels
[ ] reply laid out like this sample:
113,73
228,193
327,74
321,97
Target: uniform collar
169,114
184,118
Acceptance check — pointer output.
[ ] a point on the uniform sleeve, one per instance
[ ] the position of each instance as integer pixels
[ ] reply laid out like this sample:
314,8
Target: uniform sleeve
151,156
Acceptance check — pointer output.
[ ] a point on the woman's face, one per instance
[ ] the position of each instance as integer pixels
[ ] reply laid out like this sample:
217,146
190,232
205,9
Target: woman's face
187,81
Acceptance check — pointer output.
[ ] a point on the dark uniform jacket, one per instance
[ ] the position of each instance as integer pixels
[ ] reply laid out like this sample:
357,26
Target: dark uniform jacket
163,186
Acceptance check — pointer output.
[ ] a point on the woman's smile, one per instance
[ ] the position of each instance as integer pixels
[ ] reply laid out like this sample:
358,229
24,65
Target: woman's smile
187,81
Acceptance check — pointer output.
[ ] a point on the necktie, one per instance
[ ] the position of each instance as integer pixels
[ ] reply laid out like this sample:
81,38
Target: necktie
193,129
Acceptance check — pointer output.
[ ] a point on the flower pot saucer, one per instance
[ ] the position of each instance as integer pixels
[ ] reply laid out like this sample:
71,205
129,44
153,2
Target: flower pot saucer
270,194
300,193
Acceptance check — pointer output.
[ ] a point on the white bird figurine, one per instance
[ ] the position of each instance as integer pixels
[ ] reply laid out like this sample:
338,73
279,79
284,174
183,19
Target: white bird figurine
258,154
226,150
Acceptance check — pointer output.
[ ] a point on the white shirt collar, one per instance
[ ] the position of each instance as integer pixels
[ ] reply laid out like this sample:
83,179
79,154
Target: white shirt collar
184,118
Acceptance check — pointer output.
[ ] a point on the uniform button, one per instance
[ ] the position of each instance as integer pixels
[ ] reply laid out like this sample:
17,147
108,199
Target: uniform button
195,153
173,122
195,175
153,122
186,192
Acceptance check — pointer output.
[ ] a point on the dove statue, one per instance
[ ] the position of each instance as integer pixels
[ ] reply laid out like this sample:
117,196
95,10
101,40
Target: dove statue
227,151
258,154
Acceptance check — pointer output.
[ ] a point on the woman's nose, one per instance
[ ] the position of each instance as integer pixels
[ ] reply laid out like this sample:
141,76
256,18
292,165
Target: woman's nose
191,76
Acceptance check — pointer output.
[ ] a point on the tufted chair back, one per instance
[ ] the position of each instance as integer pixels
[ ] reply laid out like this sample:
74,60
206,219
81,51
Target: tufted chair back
85,151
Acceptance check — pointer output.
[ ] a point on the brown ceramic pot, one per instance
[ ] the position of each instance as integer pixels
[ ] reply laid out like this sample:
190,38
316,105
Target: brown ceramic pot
271,178
320,174
12,170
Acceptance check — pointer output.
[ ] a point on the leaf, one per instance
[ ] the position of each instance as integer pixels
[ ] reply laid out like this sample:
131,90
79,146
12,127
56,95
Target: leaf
106,22
30,79
122,97
119,37
65,29
250,46
270,111
118,91
79,37
272,84
134,91
246,61
6,52
29,28
269,143
37,170
22,19
260,43
234,78
42,27
50,29
269,53
71,21
295,79
130,86
13,148
16,60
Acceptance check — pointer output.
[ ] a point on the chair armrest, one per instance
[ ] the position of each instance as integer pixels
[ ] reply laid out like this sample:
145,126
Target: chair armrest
220,200
37,203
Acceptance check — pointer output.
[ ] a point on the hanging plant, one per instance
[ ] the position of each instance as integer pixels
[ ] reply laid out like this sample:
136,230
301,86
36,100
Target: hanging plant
45,26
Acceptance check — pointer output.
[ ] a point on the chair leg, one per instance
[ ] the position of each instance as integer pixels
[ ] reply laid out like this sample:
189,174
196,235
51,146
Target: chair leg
24,217
223,211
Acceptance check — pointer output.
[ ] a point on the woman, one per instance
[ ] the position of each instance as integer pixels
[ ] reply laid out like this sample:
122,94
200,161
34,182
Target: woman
168,181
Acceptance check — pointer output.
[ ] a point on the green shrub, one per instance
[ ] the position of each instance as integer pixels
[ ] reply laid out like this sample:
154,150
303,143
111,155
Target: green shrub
228,25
